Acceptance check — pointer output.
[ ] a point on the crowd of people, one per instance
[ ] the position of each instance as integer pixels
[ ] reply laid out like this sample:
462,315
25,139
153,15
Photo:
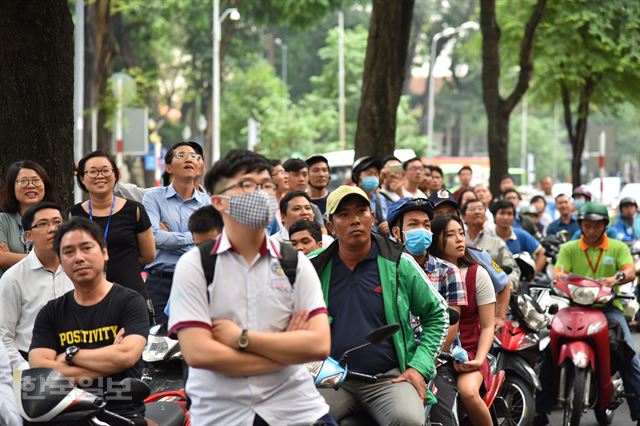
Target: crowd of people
260,267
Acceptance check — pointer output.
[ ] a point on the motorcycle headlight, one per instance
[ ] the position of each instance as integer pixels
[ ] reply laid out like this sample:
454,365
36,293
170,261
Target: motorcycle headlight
157,348
535,320
583,295
330,381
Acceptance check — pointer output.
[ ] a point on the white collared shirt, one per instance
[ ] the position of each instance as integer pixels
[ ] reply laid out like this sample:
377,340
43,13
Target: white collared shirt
255,296
24,289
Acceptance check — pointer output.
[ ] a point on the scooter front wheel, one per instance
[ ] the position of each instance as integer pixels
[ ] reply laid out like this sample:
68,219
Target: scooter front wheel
519,399
574,395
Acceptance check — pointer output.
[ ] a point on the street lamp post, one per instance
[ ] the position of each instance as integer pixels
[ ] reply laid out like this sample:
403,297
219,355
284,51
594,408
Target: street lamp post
283,48
447,32
234,15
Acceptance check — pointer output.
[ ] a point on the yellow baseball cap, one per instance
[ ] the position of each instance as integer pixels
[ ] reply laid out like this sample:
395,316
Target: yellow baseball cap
336,196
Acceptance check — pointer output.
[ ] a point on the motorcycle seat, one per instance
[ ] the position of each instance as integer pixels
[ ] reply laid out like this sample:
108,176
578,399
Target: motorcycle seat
167,413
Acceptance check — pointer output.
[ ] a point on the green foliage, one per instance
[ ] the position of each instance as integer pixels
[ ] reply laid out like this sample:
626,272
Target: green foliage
590,39
546,151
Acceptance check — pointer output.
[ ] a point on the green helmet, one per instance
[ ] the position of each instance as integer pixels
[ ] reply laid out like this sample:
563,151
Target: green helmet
593,212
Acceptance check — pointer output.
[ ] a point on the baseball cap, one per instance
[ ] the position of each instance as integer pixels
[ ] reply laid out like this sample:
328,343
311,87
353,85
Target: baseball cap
441,197
335,197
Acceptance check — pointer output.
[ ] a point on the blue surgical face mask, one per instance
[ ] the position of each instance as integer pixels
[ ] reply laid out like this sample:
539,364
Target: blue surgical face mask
370,183
417,241
578,203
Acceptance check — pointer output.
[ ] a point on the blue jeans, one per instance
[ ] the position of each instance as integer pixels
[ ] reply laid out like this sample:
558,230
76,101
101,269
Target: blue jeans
630,372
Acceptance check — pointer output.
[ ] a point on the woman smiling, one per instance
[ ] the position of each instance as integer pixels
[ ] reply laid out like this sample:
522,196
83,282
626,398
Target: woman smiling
126,225
26,183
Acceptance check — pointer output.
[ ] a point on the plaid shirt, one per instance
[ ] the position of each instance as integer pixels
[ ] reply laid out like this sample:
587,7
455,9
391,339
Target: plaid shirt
450,283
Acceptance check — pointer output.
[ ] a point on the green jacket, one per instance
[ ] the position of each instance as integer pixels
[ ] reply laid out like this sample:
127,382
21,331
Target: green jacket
405,289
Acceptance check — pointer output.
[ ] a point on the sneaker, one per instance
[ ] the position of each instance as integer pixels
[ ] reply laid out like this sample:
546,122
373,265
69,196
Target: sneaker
541,419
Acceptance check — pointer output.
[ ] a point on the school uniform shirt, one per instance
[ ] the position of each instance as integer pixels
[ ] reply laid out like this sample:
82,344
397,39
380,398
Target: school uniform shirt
259,297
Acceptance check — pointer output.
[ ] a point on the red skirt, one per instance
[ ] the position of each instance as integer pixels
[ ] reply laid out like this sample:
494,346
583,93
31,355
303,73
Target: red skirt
484,370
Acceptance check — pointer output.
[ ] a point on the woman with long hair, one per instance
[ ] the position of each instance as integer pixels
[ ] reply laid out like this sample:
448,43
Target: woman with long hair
126,225
477,318
25,184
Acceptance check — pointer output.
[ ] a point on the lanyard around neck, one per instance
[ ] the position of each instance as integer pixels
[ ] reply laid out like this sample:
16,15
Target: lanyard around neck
106,229
593,269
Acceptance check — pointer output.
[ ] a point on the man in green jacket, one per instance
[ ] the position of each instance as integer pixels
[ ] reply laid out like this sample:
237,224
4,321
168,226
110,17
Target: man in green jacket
368,282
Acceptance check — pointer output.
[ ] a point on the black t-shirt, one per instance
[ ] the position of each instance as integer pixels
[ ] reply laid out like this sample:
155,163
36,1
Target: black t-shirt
122,243
62,322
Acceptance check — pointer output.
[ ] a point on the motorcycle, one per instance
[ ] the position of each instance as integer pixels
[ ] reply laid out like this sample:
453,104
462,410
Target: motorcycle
46,396
516,347
164,366
585,366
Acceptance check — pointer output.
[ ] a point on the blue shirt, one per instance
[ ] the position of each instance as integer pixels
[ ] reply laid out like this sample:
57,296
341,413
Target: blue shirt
165,205
625,231
379,206
521,241
356,307
558,225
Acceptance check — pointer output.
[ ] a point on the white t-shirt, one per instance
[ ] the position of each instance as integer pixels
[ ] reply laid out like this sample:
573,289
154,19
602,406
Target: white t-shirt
256,297
417,194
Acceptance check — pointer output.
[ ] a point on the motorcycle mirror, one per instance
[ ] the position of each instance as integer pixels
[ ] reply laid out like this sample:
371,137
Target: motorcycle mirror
374,337
454,317
381,334
553,309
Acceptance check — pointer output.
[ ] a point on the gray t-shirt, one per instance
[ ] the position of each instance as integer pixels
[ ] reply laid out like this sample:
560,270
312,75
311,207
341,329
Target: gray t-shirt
11,233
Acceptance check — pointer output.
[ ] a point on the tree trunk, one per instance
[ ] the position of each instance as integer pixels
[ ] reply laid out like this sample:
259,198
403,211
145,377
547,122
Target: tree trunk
389,32
497,108
36,88
578,135
99,54
416,30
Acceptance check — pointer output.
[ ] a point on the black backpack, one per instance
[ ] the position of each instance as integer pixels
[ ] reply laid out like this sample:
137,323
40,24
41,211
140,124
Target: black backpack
288,261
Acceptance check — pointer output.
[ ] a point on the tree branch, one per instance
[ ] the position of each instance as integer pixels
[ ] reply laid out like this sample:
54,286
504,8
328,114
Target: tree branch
526,62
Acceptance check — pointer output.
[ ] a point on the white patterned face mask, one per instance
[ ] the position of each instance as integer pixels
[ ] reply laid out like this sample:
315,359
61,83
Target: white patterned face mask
256,210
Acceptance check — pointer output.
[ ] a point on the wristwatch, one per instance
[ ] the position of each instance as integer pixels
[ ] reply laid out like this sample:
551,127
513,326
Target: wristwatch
69,353
243,340
619,276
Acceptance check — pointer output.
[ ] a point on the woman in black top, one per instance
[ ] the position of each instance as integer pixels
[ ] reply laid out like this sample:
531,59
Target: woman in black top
126,225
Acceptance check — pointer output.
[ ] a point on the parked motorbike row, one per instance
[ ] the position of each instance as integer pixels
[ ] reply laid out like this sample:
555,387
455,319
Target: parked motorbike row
558,316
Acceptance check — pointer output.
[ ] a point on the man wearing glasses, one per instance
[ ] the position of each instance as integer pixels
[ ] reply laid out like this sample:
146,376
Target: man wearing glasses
246,333
29,284
169,208
413,175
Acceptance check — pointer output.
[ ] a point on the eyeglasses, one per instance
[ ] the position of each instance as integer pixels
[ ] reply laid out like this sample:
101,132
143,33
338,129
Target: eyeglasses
249,186
183,155
24,182
93,173
44,225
